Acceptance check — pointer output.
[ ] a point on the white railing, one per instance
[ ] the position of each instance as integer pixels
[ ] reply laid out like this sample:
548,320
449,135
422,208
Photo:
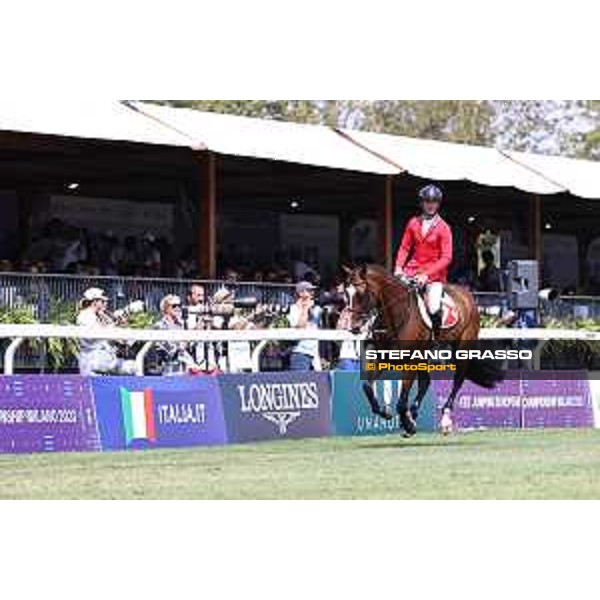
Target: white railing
19,333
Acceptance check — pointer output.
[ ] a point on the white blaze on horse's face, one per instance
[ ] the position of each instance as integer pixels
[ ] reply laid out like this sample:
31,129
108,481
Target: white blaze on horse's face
350,293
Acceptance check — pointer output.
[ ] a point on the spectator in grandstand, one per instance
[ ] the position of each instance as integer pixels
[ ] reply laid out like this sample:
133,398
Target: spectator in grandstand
489,278
72,252
99,357
231,275
174,357
305,314
129,257
150,256
198,314
6,266
195,307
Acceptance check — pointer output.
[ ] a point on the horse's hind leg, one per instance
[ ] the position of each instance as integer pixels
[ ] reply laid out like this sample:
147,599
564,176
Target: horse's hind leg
406,419
446,424
424,380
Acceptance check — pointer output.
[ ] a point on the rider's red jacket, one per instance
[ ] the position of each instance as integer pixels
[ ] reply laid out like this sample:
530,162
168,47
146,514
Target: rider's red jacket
430,254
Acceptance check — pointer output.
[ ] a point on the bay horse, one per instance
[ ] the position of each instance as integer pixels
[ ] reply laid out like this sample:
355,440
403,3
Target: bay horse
396,302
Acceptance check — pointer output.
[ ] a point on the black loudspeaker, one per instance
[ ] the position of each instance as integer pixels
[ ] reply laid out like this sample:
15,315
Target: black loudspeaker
523,284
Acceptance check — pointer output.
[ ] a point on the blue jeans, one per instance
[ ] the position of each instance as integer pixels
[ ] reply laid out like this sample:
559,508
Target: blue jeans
348,364
300,362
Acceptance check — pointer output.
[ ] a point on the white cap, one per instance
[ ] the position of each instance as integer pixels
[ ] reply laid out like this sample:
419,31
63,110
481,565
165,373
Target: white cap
92,294
222,294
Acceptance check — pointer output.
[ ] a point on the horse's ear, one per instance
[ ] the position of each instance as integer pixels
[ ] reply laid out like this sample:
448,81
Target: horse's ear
346,269
363,271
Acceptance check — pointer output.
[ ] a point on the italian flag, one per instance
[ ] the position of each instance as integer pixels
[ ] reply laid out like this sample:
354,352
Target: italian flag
138,415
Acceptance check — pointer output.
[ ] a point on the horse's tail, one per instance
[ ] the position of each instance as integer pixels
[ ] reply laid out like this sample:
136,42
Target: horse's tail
485,373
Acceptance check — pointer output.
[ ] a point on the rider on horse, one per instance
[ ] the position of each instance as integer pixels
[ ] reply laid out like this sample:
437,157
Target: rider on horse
426,252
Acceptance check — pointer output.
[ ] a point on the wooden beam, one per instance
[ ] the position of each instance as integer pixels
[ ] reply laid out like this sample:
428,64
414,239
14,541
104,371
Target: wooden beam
535,237
387,222
207,217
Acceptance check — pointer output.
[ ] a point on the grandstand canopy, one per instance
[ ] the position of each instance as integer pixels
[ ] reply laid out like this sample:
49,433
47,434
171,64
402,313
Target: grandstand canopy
268,139
88,119
443,161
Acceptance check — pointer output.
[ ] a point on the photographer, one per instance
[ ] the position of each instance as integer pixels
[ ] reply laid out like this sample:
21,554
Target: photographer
174,357
99,357
305,314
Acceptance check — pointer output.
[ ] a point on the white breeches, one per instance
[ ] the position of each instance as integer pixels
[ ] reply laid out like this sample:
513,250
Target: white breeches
434,296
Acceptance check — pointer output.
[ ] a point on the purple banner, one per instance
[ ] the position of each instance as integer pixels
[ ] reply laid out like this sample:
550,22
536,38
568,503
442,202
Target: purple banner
520,403
47,413
557,403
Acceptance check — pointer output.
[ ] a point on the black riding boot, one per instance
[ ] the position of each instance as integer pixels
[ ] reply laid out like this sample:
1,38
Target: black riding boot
436,324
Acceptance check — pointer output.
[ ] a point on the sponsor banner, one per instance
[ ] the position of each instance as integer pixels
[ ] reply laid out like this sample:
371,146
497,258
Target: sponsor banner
352,414
476,407
158,412
47,413
522,403
262,406
557,403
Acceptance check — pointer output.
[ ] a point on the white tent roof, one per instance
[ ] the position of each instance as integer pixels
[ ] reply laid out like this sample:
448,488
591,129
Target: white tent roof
580,177
103,120
268,139
444,161
305,144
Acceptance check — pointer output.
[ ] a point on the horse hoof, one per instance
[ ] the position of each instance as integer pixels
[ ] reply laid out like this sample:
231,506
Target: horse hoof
386,413
446,424
408,423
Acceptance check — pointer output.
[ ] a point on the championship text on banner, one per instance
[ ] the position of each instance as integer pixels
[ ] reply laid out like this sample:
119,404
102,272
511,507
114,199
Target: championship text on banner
153,412
519,403
47,413
265,406
352,414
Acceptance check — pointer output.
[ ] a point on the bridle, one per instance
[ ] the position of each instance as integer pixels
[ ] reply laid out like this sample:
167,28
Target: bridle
372,314
369,316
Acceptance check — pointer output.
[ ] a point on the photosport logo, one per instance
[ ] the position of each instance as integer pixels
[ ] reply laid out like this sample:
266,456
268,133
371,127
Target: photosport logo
279,403
399,359
138,415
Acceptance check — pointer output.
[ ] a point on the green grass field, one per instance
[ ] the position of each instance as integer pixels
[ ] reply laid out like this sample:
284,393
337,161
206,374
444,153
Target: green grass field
490,464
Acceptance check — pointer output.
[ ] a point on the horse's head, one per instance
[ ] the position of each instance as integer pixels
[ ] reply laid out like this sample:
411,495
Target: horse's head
361,297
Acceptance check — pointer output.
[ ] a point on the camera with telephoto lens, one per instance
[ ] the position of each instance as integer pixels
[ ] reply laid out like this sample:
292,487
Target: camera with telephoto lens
135,307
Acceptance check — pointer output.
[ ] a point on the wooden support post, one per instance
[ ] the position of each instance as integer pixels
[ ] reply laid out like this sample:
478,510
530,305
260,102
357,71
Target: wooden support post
387,223
535,239
207,218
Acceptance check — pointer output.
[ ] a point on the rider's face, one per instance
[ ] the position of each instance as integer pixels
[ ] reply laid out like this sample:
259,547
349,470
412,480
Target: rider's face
430,207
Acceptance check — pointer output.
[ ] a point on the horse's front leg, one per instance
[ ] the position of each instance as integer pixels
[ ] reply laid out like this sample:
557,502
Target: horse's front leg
369,391
424,381
406,419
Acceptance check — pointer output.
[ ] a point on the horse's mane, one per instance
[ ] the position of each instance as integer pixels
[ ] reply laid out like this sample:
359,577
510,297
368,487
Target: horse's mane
385,275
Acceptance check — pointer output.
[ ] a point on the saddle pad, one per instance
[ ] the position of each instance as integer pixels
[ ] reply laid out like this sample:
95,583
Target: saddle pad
449,311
